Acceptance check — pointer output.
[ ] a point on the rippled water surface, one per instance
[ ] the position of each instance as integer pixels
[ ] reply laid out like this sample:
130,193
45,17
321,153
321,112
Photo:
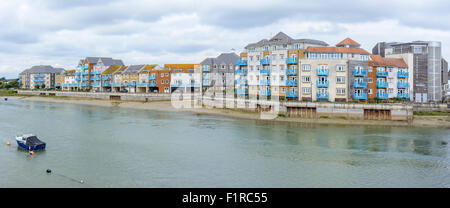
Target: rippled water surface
116,147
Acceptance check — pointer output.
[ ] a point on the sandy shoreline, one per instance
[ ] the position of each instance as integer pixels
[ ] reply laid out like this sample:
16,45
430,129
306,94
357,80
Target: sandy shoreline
166,106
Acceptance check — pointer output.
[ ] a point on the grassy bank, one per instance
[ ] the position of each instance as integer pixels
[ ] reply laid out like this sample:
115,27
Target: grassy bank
431,113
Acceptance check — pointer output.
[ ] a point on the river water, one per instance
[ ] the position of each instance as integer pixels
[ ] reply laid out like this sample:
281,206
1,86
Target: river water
117,147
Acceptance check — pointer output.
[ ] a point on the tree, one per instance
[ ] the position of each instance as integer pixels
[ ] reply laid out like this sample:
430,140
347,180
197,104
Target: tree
43,86
37,86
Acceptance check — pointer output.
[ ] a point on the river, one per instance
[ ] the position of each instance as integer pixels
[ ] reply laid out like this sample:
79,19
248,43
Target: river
119,147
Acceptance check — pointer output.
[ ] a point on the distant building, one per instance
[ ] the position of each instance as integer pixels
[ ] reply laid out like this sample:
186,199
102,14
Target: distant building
424,59
43,76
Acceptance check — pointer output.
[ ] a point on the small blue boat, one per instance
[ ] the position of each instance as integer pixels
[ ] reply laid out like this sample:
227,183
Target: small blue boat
30,142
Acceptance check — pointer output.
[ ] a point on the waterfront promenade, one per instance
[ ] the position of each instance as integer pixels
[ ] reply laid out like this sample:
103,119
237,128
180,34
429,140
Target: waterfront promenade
306,112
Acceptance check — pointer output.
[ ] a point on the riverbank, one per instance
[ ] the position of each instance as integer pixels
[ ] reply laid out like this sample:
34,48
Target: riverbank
166,106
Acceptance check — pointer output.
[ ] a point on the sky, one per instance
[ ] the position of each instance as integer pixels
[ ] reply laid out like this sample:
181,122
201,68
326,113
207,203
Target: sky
60,33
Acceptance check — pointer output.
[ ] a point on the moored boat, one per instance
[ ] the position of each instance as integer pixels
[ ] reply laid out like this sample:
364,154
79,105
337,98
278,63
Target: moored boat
30,142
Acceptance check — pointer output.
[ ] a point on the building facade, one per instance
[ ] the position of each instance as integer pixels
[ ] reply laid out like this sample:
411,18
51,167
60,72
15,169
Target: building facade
425,61
270,67
185,77
42,76
218,73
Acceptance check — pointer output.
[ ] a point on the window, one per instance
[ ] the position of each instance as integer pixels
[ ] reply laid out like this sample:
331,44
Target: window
340,79
281,78
340,91
340,68
162,81
390,90
306,90
222,66
282,67
370,91
306,79
370,69
162,75
369,80
167,74
167,81
306,67
283,89
390,69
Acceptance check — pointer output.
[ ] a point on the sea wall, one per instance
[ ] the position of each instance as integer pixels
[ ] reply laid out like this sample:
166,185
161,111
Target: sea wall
102,95
294,109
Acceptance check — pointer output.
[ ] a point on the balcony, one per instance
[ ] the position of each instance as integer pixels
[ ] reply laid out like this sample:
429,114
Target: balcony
241,72
241,82
403,85
192,85
264,61
358,84
39,76
95,78
153,77
57,85
322,72
106,78
291,61
124,84
95,84
206,83
290,72
401,74
206,68
403,95
84,85
206,76
96,72
291,83
78,79
116,84
360,73
77,73
39,80
322,83
382,85
291,94
241,62
132,84
241,91
382,95
265,93
84,79
151,84
84,73
382,73
264,82
141,84
264,72
106,84
360,96
175,84
322,95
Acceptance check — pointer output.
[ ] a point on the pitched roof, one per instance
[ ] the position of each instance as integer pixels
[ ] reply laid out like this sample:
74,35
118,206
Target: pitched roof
43,69
394,62
282,38
348,41
148,67
111,62
336,50
226,58
133,69
120,70
111,70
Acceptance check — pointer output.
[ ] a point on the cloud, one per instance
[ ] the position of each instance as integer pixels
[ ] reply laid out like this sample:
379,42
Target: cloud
145,31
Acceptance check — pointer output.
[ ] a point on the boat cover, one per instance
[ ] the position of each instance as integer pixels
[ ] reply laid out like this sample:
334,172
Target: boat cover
33,141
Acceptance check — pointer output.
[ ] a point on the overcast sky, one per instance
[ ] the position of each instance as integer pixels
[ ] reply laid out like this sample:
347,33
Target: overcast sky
59,33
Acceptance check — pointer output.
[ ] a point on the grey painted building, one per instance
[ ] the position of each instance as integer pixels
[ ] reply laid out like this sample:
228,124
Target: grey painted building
42,75
218,73
426,58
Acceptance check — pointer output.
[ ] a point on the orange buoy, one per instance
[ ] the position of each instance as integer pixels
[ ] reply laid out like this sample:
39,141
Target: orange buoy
31,153
8,143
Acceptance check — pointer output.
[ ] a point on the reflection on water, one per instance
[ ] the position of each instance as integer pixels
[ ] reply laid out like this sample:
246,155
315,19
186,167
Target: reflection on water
117,147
